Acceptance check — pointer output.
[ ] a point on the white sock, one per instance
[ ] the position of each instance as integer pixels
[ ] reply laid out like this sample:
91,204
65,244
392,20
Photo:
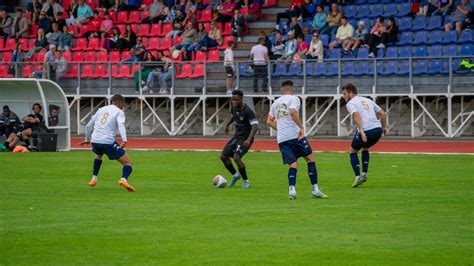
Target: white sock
94,177
315,187
236,174
123,179
292,188
364,174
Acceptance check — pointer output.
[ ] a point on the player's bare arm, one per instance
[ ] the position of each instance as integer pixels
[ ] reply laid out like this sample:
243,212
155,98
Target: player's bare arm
383,121
296,118
359,126
272,122
228,125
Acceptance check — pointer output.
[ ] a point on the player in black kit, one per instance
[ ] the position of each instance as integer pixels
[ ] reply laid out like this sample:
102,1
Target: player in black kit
245,128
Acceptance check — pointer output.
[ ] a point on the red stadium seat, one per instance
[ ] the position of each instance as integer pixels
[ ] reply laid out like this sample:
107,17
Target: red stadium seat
121,28
147,2
66,4
33,31
227,29
81,44
244,11
73,29
144,30
83,30
207,27
94,44
115,71
198,71
27,71
186,72
7,57
177,59
38,67
155,30
113,15
9,45
135,68
201,56
73,72
145,14
31,44
87,71
224,43
124,72
126,55
166,28
4,72
134,28
154,44
90,57
40,56
101,71
177,40
114,57
25,44
102,57
122,17
68,56
78,57
134,17
213,56
91,4
165,43
2,44
270,3
206,16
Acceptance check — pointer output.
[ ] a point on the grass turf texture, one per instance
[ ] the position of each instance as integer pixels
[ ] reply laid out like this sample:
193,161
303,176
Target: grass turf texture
414,209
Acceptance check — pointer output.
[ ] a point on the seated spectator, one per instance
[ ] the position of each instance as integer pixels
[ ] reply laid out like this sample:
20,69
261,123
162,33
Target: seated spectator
442,7
373,38
189,17
290,48
278,46
316,48
106,27
213,38
389,34
60,66
48,72
225,13
113,41
51,8
200,6
301,49
191,6
344,35
108,4
40,43
319,20
254,11
72,12
53,119
54,36
164,73
130,5
458,17
34,9
93,25
359,36
17,58
186,41
44,23
307,10
9,122
141,75
155,11
84,13
61,20
33,125
127,40
238,25
137,52
177,24
20,25
6,23
201,33
293,11
333,20
295,26
65,40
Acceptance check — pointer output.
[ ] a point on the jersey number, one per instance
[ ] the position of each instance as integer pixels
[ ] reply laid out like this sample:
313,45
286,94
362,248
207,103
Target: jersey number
104,118
365,105
282,111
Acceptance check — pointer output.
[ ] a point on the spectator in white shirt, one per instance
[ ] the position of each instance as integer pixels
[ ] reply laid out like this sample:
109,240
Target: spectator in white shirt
260,58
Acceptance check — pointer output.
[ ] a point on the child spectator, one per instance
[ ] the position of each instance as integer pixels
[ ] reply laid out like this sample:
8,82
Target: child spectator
229,66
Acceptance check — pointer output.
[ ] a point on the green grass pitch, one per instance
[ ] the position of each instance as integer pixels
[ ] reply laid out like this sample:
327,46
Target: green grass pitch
414,209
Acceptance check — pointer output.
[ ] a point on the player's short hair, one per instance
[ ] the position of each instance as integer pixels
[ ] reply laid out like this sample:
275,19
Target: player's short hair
230,43
117,97
36,104
238,92
350,88
287,83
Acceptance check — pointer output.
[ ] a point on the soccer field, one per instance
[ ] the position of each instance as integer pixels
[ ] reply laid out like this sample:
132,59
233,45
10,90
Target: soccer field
414,209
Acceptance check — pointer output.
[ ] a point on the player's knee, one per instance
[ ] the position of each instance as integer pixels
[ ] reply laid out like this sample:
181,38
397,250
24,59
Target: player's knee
237,158
294,165
224,158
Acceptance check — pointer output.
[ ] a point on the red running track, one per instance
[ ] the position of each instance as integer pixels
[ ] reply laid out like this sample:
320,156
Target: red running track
392,146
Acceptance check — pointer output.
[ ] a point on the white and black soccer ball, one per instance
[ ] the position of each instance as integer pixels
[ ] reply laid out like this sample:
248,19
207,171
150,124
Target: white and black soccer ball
219,181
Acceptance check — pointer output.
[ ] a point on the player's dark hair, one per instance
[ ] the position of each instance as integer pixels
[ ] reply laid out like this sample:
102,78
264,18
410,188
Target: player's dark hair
117,97
6,107
287,83
238,92
37,104
350,88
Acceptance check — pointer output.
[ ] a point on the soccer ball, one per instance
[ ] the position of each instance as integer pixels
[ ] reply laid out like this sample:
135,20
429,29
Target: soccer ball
219,181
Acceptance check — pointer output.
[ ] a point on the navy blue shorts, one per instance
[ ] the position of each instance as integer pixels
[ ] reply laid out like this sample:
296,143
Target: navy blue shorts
113,151
293,149
373,137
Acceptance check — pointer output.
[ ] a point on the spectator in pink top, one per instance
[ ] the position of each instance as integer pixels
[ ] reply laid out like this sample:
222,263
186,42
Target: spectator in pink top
301,48
225,13
373,38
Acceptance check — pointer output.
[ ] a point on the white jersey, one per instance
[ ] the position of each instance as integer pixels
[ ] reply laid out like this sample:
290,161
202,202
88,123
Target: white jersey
367,110
104,124
286,128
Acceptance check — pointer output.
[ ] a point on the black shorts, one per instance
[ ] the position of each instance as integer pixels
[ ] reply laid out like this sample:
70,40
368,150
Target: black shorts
373,136
229,72
234,146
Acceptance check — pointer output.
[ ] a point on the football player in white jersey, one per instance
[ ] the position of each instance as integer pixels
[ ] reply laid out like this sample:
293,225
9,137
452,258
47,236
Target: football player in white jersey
103,126
284,118
369,129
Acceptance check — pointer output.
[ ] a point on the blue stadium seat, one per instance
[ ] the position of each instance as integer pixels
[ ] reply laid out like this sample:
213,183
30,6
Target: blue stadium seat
421,51
435,51
335,53
371,2
404,10
420,67
466,36
310,69
405,24
403,68
363,53
391,11
324,39
360,2
386,1
308,37
437,67
380,67
450,37
435,23
405,52
466,50
376,10
295,70
450,50
391,68
435,37
348,69
364,11
320,70
392,52
405,39
243,70
363,69
280,70
421,37
419,23
332,69
350,11
400,1
379,53
349,55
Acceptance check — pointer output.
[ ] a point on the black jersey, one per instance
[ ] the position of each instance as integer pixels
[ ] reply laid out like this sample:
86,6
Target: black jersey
243,120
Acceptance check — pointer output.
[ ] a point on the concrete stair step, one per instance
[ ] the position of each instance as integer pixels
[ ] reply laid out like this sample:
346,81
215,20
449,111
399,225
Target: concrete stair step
262,25
275,10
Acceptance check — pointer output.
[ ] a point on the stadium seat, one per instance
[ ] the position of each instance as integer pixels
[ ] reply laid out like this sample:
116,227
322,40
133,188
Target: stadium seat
391,68
435,51
243,70
24,44
87,71
391,10
166,28
155,30
403,68
376,11
324,39
270,3
68,56
154,44
404,10
90,57
124,71
421,51
114,56
143,30
226,40
392,52
186,71
363,53
81,44
350,11
83,30
405,39
421,37
435,37
295,70
310,68
371,2
380,67
348,69
466,50
405,52
450,50
280,70
73,71
364,11
198,71
320,70
332,69
165,43
227,29
126,55
90,3
436,67
78,57
206,16
379,53
134,17
33,32
39,56
450,37
419,23
9,45
177,40
4,72
335,53
122,17
27,71
200,56
113,15
420,67
102,57
213,56
360,2
121,28
435,23
94,44
244,11
466,37
405,24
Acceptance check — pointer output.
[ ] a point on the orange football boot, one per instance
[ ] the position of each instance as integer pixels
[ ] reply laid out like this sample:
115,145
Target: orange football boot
92,183
126,185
